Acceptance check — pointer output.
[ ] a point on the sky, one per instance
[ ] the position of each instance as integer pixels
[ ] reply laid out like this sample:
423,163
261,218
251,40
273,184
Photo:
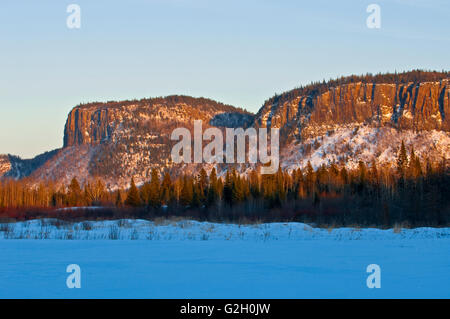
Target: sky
239,52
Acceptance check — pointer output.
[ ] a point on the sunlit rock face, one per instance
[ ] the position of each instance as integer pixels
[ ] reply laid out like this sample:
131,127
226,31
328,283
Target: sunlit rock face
120,140
323,124
97,123
421,106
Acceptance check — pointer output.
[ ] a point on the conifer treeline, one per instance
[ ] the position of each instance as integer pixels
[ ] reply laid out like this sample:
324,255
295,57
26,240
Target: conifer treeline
316,88
410,190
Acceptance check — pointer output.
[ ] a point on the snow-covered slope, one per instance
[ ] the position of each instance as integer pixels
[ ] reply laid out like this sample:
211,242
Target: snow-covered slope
14,167
120,140
349,144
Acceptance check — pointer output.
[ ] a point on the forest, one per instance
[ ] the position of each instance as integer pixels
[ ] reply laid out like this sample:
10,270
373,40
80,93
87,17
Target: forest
316,88
410,192
200,103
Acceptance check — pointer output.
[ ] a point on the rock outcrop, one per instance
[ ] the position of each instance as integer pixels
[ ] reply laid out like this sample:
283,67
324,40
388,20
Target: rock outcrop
360,121
120,140
421,106
341,121
97,123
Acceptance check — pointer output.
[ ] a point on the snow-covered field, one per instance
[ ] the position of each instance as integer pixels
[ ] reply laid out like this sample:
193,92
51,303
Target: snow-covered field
188,259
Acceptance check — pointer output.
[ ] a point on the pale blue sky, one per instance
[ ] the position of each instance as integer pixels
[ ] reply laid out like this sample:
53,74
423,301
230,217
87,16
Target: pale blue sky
239,52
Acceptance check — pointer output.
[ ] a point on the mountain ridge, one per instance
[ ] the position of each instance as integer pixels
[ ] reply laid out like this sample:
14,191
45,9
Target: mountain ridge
341,121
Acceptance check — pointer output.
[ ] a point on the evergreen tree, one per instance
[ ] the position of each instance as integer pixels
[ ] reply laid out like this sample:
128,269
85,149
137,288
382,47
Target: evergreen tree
119,200
203,181
196,196
412,164
144,192
298,187
417,168
255,189
133,197
402,160
166,189
154,199
228,189
187,191
344,176
428,167
373,175
362,172
333,174
213,192
74,194
220,188
237,191
310,178
280,184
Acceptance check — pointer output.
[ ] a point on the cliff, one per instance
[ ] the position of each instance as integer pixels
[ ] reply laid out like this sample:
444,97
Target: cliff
341,121
117,140
361,120
416,106
96,123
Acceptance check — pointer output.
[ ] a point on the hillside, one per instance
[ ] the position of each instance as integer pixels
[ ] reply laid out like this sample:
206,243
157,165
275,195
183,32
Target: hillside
119,140
342,121
362,118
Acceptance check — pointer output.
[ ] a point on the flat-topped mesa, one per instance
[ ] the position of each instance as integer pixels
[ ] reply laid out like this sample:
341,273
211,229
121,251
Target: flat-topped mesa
418,106
96,123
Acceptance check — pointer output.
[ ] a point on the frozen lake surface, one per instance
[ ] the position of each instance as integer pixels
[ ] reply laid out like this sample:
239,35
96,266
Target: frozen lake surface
187,259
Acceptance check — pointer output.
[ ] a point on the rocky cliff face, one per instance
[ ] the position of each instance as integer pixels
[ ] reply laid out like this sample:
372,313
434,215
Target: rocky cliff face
97,123
120,140
361,121
344,124
423,106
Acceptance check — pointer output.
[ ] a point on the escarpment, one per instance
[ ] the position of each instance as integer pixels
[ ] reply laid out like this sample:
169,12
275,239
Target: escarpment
342,121
416,106
96,123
